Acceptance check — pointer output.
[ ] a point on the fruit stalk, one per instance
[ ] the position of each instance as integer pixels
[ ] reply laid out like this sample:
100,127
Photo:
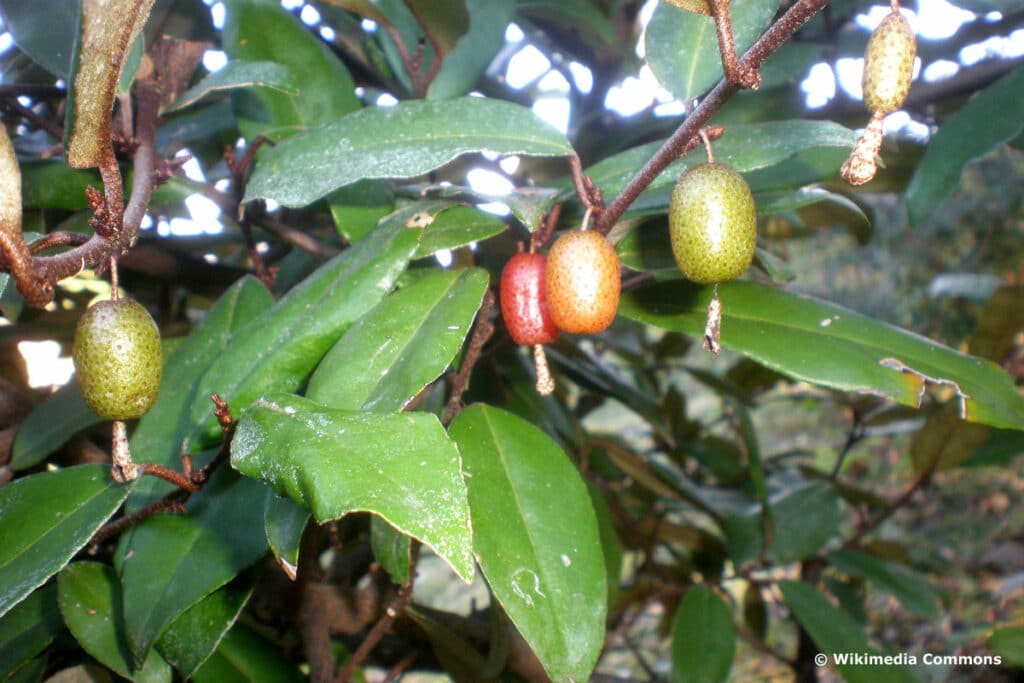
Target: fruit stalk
125,469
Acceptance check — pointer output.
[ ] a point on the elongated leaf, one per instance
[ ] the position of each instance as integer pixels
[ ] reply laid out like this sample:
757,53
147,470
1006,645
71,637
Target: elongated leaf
969,133
403,141
443,20
578,16
108,31
173,561
826,344
257,31
90,600
28,628
401,467
284,522
390,549
357,208
36,546
682,47
396,349
837,634
703,638
278,350
159,434
1008,642
245,657
475,50
50,424
911,589
197,633
239,74
458,227
536,539
46,37
745,147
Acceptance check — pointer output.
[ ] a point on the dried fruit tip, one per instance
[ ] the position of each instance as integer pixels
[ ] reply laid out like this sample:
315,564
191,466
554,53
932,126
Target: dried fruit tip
861,167
545,382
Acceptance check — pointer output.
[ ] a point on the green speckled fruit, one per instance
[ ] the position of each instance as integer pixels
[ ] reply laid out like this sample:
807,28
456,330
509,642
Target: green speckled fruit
118,359
712,223
889,65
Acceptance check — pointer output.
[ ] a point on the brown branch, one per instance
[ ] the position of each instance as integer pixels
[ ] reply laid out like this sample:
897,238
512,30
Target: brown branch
774,38
482,331
60,238
921,482
55,130
312,619
391,612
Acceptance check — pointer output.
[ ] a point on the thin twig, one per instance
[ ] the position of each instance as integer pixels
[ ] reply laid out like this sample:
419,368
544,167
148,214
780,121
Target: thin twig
921,482
482,331
774,38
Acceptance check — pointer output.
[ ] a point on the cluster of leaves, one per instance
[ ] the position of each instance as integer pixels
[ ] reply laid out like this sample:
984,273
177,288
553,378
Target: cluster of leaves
348,376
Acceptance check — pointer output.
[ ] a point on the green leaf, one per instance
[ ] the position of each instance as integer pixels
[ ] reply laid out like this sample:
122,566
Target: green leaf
357,208
36,546
284,522
399,466
28,628
47,37
611,546
239,74
578,16
159,434
834,632
969,133
50,425
90,600
388,356
54,185
108,31
703,638
1008,643
822,343
910,588
444,21
403,141
258,31
391,549
682,47
456,227
536,538
289,340
804,519
245,657
475,50
745,147
196,634
781,201
173,561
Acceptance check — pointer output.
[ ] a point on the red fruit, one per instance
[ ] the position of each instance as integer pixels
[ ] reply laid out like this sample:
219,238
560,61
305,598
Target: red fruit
524,303
583,282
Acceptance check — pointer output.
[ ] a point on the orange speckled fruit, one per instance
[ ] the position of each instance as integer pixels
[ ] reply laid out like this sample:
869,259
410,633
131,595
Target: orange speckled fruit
889,64
583,282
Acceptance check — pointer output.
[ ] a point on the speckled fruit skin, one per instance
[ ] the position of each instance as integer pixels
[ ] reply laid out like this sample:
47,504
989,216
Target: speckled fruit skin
524,301
712,223
889,65
118,359
583,282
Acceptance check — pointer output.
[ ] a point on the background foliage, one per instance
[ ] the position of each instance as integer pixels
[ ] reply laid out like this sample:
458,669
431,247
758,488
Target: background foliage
327,263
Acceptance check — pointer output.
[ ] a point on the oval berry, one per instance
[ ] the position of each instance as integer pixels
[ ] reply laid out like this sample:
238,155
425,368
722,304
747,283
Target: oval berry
118,359
524,305
583,282
889,64
712,223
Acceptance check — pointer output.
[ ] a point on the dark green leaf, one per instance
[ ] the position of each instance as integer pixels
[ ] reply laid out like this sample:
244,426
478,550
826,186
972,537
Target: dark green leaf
27,629
391,549
50,424
31,672
284,522
536,538
399,466
577,16
834,632
610,543
290,339
90,600
703,638
821,343
782,201
245,657
682,46
457,227
475,50
388,356
804,519
1002,446
47,36
257,31
195,635
36,546
159,434
444,21
173,561
357,208
403,141
1008,643
971,132
53,185
910,588
239,74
